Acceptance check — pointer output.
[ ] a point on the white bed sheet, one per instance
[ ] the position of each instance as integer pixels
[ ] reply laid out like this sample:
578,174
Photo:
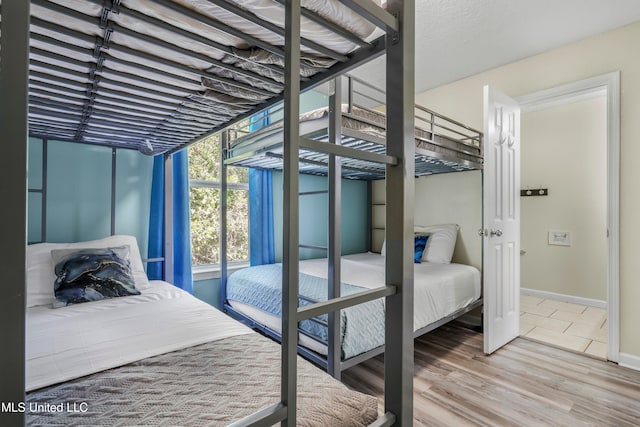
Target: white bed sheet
439,289
81,339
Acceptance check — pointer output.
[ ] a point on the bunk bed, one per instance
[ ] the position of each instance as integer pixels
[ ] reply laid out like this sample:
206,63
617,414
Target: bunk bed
442,291
156,76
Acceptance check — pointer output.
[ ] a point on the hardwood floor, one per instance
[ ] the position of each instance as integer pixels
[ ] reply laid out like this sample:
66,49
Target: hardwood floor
522,384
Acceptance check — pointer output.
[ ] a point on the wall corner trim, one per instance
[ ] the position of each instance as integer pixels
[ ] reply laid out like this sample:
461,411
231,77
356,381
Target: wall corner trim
565,298
629,361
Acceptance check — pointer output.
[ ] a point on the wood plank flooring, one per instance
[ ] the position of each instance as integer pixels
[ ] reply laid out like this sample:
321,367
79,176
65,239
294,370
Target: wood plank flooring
522,384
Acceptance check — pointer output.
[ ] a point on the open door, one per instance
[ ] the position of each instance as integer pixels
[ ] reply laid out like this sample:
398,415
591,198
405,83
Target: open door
501,213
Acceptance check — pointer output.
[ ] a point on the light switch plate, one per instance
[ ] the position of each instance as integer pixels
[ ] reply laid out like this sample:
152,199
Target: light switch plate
560,237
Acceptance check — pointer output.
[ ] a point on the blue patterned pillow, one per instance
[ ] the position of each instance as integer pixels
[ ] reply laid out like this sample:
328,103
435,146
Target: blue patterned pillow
420,242
92,274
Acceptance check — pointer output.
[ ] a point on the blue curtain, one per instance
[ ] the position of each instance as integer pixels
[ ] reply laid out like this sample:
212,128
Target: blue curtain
261,244
181,222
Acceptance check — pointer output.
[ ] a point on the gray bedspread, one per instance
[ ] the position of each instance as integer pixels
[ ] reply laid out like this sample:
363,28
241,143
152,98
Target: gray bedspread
208,385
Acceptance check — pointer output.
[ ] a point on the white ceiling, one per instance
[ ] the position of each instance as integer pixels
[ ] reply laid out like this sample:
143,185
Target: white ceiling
460,38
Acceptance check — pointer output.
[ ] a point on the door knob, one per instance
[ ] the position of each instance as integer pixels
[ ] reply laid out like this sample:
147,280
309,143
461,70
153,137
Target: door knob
497,233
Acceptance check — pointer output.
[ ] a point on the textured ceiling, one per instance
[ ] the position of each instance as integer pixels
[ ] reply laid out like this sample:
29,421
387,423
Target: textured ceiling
457,39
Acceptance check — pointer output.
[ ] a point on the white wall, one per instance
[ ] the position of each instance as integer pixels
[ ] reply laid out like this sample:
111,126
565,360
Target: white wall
453,198
564,149
442,199
615,50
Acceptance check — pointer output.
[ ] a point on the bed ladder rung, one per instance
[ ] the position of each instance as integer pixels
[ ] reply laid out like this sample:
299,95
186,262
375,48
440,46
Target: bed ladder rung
310,193
339,303
263,418
342,151
373,13
320,248
388,419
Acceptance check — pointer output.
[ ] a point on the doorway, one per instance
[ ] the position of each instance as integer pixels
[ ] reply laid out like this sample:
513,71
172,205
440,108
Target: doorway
569,206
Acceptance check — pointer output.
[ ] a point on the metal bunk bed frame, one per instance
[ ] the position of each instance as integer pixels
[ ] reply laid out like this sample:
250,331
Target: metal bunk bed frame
439,163
398,292
398,23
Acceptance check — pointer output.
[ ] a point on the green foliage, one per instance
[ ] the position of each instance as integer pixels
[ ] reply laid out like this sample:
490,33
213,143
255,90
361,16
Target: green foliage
204,159
204,164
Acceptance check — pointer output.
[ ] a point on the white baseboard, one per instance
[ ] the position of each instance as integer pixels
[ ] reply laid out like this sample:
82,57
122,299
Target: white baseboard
629,361
565,298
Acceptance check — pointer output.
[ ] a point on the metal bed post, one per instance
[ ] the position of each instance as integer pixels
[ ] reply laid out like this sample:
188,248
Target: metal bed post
223,220
45,153
168,218
13,172
335,236
398,359
290,252
113,189
350,94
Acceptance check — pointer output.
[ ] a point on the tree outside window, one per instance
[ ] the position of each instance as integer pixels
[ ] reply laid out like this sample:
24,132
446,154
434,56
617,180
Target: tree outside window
204,174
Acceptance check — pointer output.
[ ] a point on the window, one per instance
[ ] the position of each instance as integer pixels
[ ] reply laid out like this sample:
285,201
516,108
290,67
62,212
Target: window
204,174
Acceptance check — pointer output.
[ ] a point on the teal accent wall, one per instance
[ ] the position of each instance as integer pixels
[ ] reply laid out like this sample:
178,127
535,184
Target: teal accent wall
78,192
34,217
34,182
134,172
208,291
314,216
35,163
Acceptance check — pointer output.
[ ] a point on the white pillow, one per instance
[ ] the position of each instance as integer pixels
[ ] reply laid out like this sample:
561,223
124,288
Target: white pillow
441,243
40,274
417,229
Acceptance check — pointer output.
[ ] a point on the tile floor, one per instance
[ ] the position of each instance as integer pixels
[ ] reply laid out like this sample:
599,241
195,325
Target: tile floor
572,326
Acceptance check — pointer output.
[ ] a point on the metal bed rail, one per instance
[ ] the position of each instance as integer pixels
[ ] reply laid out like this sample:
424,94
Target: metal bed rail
364,103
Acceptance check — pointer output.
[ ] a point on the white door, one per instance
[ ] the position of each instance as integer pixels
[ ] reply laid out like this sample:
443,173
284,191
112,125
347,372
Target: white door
501,231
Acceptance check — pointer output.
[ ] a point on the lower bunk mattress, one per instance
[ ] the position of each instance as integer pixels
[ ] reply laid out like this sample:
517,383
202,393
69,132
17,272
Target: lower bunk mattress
166,358
439,291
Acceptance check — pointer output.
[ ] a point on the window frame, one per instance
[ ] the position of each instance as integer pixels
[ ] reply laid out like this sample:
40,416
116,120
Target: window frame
212,271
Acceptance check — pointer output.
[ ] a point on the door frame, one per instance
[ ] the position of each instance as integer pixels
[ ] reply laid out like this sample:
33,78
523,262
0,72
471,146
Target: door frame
608,85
